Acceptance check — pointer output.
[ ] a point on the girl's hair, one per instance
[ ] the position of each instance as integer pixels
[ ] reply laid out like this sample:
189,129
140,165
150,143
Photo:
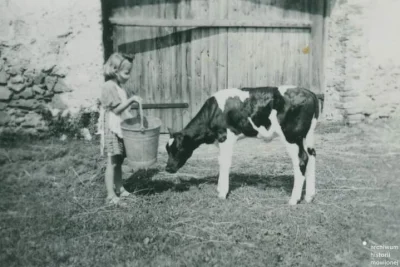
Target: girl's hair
114,64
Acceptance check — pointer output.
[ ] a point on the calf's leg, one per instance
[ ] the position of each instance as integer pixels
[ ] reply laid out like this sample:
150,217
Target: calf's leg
310,176
310,171
299,160
225,162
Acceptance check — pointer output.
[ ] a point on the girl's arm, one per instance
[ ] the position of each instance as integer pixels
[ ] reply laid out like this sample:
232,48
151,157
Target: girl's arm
124,105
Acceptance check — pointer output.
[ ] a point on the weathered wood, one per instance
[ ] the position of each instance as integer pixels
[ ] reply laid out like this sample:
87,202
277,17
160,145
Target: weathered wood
187,50
267,57
218,23
197,50
317,8
222,59
272,56
186,62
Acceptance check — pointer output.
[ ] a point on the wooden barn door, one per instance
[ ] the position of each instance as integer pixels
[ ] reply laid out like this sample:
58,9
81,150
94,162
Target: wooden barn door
187,50
276,55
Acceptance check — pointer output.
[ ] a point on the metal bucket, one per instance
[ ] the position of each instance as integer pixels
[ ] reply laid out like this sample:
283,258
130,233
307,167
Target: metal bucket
141,144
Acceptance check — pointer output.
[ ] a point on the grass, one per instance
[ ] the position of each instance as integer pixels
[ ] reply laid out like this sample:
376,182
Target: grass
52,209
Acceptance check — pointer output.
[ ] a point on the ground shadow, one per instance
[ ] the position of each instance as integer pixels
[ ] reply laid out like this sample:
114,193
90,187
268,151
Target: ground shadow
262,182
141,182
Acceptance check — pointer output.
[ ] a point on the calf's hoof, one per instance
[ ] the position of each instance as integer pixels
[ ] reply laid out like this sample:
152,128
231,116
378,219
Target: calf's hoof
222,195
309,199
293,201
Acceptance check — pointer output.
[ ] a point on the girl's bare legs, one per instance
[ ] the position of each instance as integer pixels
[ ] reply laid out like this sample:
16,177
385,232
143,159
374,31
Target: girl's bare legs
110,178
117,174
114,177
120,190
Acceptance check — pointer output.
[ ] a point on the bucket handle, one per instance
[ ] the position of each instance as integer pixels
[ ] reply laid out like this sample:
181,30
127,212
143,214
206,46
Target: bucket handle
141,117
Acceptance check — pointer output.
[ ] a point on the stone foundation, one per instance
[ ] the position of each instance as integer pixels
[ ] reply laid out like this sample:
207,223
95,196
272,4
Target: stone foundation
24,94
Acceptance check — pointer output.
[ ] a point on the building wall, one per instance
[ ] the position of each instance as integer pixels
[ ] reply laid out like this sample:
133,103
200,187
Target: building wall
362,60
51,55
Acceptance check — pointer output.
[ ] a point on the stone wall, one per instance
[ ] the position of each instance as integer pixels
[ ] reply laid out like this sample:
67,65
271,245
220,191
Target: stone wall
25,93
362,61
51,56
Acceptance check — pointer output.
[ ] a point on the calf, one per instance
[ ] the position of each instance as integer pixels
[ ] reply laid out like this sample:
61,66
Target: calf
289,112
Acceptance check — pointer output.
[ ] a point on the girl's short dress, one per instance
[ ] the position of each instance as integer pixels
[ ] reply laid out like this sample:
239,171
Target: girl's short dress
113,145
110,99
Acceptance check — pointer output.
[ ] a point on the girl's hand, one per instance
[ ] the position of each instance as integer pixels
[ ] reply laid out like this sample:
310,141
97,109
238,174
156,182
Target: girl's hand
135,98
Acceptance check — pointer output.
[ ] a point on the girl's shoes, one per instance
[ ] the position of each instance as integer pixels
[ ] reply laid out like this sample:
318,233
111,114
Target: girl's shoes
113,200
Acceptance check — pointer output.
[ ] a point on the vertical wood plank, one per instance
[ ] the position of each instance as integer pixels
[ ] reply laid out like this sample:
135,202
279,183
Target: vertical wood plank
154,77
186,52
160,62
222,63
317,36
174,72
177,89
168,66
205,67
197,10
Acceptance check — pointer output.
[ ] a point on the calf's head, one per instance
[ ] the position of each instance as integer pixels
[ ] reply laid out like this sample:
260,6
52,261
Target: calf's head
180,148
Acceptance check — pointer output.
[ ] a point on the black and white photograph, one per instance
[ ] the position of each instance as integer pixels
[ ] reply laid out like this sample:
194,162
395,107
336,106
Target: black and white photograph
221,133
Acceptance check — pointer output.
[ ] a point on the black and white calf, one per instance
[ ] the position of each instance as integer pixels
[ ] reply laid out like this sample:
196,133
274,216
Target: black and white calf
289,112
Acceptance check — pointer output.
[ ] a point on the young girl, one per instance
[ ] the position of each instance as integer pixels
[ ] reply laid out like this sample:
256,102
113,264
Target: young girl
114,109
